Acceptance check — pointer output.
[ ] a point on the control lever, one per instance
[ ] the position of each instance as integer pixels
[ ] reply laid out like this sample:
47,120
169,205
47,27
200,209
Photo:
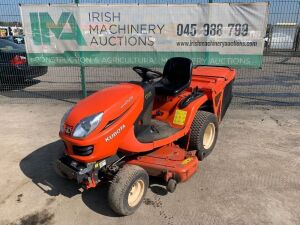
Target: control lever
196,93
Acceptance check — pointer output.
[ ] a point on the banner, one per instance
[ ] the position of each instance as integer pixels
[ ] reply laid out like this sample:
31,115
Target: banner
128,35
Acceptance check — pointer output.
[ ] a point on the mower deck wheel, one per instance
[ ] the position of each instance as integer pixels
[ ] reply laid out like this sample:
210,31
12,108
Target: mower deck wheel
128,189
171,185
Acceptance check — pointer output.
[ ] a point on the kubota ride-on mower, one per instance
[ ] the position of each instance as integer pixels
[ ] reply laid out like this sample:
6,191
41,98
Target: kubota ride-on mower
160,126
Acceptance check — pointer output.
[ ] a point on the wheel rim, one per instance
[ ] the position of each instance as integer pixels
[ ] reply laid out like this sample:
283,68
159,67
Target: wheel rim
136,192
209,135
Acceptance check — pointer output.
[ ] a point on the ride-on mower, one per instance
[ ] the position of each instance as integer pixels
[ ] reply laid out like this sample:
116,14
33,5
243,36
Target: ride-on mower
160,126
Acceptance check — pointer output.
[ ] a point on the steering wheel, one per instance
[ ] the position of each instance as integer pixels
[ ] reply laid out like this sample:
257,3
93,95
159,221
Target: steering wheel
147,74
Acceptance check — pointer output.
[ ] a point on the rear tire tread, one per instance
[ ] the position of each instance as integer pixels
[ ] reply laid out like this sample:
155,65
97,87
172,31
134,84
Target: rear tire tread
201,120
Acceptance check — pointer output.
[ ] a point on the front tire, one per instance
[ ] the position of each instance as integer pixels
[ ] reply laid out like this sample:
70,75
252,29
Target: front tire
128,189
204,133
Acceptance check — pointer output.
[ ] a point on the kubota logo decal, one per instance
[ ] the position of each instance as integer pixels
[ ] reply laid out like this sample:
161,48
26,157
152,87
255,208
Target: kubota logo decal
42,24
114,134
68,130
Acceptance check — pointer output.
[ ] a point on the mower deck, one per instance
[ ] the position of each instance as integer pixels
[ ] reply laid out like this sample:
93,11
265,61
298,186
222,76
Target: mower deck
169,162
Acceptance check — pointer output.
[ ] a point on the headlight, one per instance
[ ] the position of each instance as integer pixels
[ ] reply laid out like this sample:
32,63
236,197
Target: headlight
87,125
63,120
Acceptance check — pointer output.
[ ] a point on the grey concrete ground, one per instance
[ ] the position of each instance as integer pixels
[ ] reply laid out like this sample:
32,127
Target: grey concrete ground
252,177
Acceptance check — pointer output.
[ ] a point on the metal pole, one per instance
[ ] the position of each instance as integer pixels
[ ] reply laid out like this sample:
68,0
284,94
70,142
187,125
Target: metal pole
82,73
298,13
82,78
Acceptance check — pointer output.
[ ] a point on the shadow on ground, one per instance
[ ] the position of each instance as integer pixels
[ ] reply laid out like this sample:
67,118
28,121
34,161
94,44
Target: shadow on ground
39,167
19,85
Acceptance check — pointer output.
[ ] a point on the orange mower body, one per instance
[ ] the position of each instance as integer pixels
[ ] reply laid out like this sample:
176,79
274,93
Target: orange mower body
162,125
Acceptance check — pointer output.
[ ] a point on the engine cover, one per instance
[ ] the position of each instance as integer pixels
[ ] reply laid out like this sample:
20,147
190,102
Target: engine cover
120,104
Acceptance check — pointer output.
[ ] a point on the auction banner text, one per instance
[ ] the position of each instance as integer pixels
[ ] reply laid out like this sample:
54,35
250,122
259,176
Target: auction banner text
145,35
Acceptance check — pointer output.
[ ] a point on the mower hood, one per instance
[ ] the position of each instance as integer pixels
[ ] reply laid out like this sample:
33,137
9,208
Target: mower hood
112,102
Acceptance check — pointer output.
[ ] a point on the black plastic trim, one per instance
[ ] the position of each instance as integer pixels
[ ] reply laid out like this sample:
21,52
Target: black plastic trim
227,97
83,150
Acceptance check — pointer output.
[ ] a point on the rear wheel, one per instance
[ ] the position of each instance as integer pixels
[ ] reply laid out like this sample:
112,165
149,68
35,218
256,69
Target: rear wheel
128,189
204,133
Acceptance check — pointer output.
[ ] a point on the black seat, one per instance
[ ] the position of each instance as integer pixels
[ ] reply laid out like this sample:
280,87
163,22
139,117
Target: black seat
177,76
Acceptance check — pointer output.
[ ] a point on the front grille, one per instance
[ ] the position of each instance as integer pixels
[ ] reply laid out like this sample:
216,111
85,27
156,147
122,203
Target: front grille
83,150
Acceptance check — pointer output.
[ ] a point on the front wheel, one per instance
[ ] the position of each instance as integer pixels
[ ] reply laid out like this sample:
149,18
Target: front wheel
128,189
204,133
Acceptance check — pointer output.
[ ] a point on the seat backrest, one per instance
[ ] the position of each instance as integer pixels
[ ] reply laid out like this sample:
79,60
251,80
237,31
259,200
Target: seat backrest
178,73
